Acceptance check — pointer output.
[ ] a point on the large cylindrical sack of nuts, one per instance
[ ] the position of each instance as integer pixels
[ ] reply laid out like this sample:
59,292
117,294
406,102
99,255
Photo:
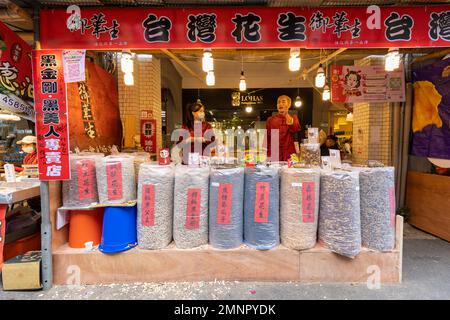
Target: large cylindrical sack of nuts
339,218
190,225
377,189
299,207
261,208
81,189
115,179
226,207
155,206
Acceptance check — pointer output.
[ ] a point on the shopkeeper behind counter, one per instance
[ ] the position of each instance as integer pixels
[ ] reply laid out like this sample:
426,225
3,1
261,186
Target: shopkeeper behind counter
288,125
28,144
195,116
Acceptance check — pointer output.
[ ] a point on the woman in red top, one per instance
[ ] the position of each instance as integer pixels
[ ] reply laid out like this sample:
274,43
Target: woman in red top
288,125
197,127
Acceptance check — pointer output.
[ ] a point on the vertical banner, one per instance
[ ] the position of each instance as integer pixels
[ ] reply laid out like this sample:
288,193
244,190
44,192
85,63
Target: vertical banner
148,131
148,205
86,175
308,202
194,197
224,205
51,115
262,202
3,208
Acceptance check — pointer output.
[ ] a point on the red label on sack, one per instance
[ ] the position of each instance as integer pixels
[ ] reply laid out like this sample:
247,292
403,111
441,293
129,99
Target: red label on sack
114,180
224,203
148,205
262,202
392,205
85,173
194,197
308,202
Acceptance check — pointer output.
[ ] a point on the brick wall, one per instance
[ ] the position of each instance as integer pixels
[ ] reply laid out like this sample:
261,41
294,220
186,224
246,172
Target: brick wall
145,94
372,122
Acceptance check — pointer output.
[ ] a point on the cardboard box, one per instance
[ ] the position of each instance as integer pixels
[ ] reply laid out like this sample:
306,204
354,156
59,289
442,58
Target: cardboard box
22,272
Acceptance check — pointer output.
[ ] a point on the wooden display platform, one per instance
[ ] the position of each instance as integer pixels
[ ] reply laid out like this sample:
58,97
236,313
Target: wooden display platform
428,199
243,264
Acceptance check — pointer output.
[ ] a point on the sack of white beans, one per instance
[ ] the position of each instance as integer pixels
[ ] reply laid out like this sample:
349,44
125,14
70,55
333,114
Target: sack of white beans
81,189
299,207
190,225
226,206
155,206
339,217
377,189
115,179
261,208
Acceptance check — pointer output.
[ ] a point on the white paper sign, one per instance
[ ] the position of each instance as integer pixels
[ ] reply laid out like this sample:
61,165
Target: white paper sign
10,173
326,163
335,158
74,65
313,135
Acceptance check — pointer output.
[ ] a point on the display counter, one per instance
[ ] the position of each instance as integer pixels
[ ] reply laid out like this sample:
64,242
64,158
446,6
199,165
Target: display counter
11,193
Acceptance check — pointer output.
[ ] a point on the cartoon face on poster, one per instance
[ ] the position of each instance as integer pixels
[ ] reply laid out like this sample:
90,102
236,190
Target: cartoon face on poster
366,84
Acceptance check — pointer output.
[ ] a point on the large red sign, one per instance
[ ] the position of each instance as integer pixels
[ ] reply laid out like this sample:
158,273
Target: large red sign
51,115
349,27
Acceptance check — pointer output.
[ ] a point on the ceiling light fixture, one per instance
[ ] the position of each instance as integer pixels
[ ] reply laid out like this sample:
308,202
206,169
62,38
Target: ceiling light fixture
207,61
392,60
210,78
294,60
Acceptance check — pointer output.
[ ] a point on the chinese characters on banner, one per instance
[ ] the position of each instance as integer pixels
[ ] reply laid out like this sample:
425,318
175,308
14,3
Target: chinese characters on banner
148,135
308,202
366,84
16,88
391,192
86,110
51,115
194,197
86,175
148,205
224,203
261,214
349,27
114,180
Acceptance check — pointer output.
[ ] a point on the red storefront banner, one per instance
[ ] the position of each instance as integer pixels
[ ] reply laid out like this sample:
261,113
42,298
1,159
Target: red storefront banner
51,115
143,28
148,135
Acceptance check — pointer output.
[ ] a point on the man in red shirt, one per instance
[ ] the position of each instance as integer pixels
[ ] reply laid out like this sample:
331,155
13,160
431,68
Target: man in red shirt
288,125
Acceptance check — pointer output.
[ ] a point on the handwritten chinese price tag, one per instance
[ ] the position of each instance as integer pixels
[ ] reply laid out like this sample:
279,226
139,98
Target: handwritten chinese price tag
114,180
51,115
308,202
262,202
224,203
194,197
392,205
86,176
148,205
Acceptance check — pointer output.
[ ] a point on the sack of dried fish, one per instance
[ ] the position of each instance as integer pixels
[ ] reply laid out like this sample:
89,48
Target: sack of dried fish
115,179
261,208
377,188
81,189
226,207
299,207
339,218
190,225
155,206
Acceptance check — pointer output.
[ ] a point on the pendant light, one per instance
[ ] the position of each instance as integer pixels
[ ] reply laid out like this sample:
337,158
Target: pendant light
210,78
320,77
242,83
294,60
326,95
126,61
298,101
392,60
248,109
207,61
128,79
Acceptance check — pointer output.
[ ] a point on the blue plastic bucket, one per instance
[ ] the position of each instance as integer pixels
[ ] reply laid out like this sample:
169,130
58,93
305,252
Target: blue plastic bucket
119,229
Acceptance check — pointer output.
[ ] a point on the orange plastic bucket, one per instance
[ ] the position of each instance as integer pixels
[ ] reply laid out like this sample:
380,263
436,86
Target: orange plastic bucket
85,226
